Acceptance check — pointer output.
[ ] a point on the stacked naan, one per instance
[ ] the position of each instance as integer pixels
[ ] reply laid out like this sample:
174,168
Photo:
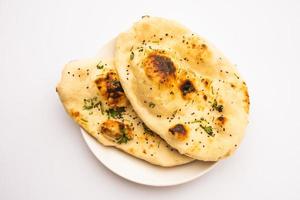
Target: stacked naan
168,96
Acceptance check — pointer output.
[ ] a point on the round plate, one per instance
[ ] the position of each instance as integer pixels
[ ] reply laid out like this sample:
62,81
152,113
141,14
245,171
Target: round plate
137,170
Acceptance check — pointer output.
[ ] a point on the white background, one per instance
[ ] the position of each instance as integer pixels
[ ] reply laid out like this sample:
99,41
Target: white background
42,153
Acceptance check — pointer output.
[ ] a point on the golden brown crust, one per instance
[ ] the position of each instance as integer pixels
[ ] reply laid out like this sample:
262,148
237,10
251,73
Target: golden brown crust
159,68
111,89
187,88
179,131
114,130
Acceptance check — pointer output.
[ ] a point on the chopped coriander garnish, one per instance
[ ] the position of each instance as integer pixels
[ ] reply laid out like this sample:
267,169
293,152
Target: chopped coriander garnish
204,125
147,130
101,106
131,55
217,107
207,129
124,137
151,105
100,65
115,113
212,90
84,120
91,103
236,76
97,104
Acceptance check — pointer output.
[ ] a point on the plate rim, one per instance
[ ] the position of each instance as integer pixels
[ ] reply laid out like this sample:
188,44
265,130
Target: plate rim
87,137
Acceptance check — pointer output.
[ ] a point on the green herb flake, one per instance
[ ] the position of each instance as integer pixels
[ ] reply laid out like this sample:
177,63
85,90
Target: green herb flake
115,113
124,137
207,129
91,103
131,55
99,105
212,90
100,65
101,108
204,125
217,107
147,130
151,105
84,120
236,76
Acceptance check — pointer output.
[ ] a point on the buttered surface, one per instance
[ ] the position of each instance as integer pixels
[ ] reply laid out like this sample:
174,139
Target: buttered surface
92,94
183,88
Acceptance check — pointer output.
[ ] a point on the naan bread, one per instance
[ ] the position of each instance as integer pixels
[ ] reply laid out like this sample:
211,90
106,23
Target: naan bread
183,88
92,95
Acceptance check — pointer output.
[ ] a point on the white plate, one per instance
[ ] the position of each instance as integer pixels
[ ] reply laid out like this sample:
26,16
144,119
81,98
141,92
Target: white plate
137,170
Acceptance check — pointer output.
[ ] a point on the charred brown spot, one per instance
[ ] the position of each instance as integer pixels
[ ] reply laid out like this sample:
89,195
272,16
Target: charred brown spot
163,64
114,89
158,66
75,114
187,87
111,129
205,97
178,128
116,131
221,120
206,82
110,87
179,131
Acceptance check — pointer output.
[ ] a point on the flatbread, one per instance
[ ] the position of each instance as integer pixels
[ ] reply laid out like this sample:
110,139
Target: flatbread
183,88
92,95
